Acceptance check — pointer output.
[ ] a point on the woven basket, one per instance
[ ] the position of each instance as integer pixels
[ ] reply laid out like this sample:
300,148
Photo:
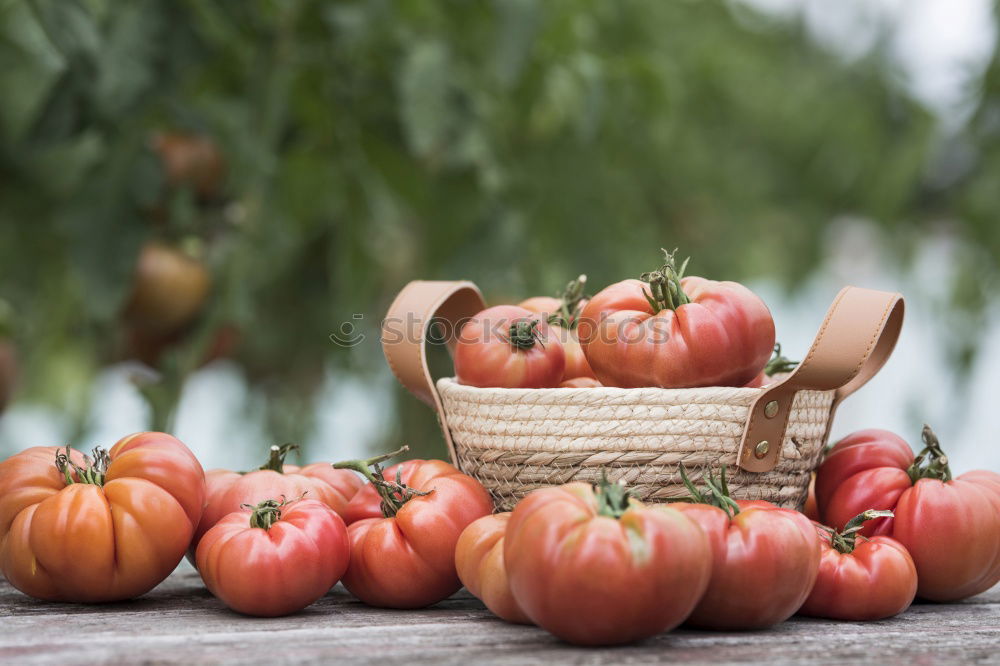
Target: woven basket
517,440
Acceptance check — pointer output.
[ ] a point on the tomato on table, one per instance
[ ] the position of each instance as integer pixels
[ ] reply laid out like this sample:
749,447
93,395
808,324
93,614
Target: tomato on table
105,527
508,347
404,526
274,558
671,331
480,564
950,526
229,491
764,559
867,580
595,567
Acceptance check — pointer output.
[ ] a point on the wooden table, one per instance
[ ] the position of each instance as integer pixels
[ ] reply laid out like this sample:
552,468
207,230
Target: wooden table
179,622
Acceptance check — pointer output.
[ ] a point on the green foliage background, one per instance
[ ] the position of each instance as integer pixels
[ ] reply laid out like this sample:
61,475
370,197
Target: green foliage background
515,142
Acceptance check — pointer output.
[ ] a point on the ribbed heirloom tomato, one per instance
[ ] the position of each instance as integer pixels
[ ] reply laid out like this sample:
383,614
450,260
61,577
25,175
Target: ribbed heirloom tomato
274,558
672,331
229,491
562,315
480,564
950,527
102,528
509,347
597,568
867,580
764,559
404,526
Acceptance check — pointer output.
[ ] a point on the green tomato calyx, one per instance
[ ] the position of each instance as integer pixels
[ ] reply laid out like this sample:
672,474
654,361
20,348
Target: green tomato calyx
665,291
93,471
932,463
394,494
846,540
613,499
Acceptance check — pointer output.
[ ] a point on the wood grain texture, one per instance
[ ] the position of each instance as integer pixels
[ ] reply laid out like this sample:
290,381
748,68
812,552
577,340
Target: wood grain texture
179,622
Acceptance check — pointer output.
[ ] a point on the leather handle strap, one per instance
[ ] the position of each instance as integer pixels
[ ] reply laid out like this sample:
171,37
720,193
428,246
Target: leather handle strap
405,331
857,336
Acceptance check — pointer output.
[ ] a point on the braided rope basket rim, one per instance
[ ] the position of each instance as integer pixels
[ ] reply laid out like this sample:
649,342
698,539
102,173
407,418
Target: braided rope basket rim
516,440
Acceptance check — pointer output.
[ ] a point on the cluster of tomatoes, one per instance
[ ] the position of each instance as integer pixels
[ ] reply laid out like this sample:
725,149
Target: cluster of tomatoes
594,567
662,330
589,564
113,525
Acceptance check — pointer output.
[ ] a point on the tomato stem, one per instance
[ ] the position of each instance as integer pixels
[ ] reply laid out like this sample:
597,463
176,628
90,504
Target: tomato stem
716,492
394,494
846,540
94,469
276,457
613,499
779,364
665,291
936,466
568,313
268,512
523,334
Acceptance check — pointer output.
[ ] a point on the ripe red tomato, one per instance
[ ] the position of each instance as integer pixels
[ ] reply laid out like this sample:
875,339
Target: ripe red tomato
404,526
107,528
480,565
228,491
870,580
169,291
674,332
764,562
596,568
191,160
510,347
951,527
275,558
562,315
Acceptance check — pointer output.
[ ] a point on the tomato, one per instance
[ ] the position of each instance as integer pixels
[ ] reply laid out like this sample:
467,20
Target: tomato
951,527
275,558
562,315
596,568
509,347
170,290
580,382
674,332
191,161
8,372
764,559
404,526
228,491
102,528
480,565
870,580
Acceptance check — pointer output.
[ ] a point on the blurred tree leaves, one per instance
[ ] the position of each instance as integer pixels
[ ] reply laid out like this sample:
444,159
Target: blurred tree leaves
513,142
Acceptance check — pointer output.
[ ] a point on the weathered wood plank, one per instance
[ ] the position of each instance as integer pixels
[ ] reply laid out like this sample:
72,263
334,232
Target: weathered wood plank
180,622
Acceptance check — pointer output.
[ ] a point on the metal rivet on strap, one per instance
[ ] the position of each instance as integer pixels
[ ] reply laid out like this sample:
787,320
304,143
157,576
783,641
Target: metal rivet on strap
771,409
762,448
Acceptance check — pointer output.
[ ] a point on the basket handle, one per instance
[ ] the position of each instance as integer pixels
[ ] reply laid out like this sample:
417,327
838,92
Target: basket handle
857,336
405,328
